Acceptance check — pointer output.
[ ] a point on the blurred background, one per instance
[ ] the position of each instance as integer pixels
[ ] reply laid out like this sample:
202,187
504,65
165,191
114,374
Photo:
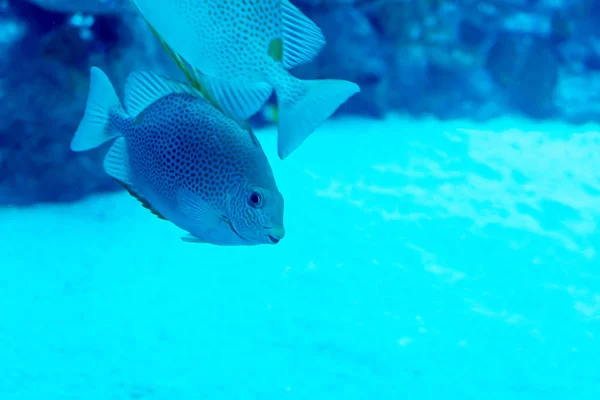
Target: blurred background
447,59
442,237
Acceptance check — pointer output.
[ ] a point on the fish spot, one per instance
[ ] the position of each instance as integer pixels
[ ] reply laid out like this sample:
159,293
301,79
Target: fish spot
276,49
138,120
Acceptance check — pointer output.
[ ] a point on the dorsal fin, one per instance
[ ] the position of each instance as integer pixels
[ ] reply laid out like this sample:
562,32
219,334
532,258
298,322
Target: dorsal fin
141,199
142,88
302,38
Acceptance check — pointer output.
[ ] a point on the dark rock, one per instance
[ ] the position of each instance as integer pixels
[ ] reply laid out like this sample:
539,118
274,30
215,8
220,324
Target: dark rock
354,52
578,96
408,81
452,59
527,68
528,23
472,34
44,93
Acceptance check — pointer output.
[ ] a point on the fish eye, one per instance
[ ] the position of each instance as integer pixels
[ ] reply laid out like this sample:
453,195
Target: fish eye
255,199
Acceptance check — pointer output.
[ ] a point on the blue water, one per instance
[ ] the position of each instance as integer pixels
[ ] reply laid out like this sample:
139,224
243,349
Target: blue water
423,260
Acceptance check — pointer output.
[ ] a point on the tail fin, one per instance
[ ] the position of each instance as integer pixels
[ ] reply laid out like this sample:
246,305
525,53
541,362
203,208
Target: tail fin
313,102
102,103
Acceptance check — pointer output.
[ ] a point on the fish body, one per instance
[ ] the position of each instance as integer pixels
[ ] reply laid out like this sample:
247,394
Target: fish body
244,49
185,160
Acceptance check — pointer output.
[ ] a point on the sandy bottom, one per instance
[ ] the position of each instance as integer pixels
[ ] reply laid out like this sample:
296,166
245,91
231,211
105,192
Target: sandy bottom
423,260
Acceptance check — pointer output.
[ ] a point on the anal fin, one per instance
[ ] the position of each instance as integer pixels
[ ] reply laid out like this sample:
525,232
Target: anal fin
141,199
116,164
189,238
239,100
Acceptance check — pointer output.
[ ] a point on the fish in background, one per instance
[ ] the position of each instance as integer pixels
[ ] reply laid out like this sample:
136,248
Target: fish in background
184,159
244,49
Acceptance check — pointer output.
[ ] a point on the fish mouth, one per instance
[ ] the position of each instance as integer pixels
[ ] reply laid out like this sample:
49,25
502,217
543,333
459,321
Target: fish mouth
273,239
276,234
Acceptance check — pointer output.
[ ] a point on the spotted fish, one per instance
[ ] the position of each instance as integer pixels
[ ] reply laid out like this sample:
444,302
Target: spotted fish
184,159
244,49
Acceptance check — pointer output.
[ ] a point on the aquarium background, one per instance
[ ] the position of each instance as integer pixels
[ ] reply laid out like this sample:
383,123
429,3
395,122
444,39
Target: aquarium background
441,228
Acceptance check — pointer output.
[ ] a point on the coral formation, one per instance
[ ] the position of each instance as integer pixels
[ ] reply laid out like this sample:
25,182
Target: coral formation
450,59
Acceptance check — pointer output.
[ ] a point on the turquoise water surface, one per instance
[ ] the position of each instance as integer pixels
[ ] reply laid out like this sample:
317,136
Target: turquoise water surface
423,260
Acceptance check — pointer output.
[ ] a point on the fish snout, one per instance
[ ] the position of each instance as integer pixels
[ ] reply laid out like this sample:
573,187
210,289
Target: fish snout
275,234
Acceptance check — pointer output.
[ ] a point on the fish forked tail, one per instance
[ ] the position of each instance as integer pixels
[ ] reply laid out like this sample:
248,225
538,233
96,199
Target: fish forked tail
307,105
96,126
